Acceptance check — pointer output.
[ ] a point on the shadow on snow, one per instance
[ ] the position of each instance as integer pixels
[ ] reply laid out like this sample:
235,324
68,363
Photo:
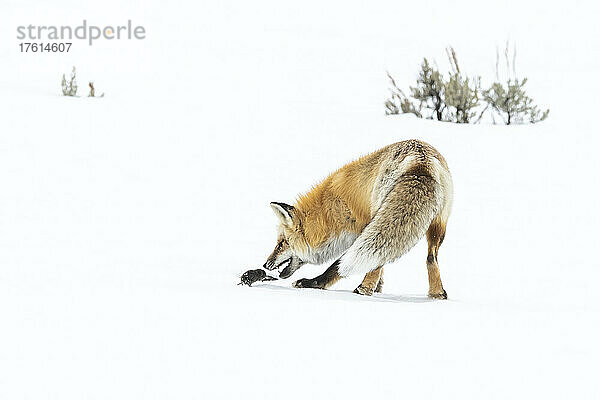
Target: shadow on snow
348,295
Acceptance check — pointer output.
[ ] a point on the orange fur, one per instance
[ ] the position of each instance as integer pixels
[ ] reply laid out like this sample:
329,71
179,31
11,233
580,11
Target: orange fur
341,202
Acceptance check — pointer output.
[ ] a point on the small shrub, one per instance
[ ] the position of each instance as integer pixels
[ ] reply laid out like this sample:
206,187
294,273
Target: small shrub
535,115
457,99
453,100
69,88
461,98
429,91
399,102
460,94
510,100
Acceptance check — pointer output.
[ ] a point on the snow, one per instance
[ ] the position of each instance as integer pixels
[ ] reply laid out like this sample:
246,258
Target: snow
126,221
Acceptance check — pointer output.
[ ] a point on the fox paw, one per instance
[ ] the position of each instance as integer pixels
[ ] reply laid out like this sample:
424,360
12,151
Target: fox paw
440,296
306,283
363,290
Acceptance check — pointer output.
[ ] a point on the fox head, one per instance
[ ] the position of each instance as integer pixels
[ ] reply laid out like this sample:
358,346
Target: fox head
290,241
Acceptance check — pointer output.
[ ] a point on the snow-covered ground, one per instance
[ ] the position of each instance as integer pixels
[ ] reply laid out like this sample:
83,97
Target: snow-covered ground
126,221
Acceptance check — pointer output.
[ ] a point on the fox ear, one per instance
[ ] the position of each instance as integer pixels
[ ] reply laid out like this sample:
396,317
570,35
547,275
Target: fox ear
283,212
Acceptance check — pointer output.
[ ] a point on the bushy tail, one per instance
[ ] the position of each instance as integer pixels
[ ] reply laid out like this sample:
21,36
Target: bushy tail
400,222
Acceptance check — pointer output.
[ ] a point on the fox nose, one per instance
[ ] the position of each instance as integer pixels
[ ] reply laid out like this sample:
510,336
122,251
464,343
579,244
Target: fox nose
269,265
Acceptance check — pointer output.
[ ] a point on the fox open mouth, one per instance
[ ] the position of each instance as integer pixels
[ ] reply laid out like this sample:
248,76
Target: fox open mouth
288,270
285,262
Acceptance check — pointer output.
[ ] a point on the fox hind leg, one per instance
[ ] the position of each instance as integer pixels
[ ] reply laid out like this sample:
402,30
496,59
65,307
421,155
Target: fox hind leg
372,283
435,237
397,226
379,287
401,221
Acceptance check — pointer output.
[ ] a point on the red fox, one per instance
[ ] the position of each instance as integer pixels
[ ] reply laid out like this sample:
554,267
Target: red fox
367,214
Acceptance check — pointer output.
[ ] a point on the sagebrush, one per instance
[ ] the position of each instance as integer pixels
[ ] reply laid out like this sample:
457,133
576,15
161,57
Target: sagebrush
455,97
69,88
509,100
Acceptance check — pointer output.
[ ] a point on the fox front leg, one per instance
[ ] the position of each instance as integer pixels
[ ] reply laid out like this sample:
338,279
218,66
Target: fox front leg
323,281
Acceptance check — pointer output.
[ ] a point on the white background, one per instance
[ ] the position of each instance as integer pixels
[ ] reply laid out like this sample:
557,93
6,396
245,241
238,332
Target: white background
126,221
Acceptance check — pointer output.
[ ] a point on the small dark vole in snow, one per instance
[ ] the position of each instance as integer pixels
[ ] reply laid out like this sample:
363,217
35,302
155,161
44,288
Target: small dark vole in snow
255,275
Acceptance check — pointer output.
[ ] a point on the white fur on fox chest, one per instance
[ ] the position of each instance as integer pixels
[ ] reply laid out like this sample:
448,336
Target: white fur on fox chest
333,248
